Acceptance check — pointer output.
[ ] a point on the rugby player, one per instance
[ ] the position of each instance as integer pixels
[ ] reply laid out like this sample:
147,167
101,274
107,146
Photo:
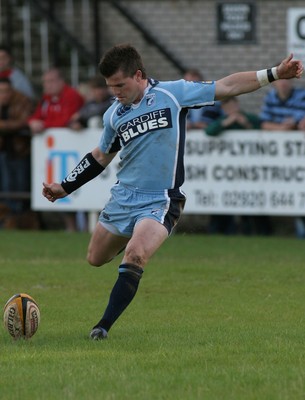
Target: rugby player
146,124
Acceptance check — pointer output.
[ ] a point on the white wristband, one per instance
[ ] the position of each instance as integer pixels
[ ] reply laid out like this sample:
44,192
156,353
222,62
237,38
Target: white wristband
266,76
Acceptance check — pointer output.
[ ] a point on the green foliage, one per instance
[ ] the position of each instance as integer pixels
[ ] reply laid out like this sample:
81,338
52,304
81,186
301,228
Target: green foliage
214,318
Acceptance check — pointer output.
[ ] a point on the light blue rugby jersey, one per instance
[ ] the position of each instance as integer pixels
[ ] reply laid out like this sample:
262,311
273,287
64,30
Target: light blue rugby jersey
151,134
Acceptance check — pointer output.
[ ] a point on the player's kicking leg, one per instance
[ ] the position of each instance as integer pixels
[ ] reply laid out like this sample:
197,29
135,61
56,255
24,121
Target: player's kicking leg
147,237
104,246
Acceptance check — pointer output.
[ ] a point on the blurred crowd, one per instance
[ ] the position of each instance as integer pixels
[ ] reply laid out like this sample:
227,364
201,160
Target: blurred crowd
24,114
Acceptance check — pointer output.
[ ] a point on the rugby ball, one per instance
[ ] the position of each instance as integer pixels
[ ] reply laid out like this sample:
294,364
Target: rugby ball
21,316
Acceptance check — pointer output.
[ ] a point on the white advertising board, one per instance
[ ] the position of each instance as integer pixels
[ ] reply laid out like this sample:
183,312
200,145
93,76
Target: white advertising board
246,172
54,154
239,172
296,32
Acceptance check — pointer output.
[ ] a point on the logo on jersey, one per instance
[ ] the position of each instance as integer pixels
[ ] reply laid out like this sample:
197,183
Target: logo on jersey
145,123
150,99
123,110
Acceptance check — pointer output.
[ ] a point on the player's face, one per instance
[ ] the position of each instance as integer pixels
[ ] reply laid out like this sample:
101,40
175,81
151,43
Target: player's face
127,89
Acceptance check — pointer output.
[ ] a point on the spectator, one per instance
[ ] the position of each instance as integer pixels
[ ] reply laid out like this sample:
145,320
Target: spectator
283,107
7,70
15,108
235,118
199,118
58,104
284,110
97,102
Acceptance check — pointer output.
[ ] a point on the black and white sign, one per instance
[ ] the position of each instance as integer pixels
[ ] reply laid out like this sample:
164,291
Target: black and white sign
236,22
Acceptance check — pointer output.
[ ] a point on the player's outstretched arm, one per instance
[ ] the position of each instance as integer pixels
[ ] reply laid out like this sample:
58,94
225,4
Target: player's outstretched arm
246,82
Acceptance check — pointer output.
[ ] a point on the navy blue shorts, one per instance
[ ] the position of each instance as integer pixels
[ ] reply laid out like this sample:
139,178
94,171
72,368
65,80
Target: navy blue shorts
127,206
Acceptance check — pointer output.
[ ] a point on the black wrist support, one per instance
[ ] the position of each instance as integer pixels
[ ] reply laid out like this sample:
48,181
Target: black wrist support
87,169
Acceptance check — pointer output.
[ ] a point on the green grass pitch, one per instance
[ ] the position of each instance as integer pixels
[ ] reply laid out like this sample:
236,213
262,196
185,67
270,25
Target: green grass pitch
215,318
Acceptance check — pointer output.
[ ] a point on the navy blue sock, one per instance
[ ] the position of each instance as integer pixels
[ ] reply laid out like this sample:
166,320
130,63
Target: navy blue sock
122,294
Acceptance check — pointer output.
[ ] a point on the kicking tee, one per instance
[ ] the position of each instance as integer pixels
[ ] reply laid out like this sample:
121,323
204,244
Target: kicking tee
151,134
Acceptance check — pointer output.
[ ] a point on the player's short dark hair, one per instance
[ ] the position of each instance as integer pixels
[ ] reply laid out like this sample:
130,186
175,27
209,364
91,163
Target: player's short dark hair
123,57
